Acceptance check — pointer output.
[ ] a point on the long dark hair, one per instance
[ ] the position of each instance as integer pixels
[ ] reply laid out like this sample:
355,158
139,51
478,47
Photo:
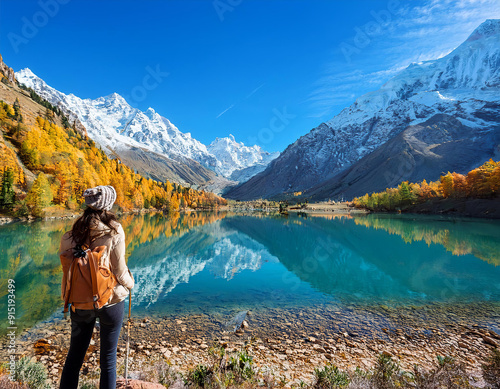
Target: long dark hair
81,231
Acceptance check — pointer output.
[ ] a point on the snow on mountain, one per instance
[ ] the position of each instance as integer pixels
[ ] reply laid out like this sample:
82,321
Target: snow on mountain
116,126
458,84
464,84
233,157
228,253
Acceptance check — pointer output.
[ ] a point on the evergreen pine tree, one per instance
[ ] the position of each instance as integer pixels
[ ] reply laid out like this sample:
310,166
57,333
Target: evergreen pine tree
7,194
17,109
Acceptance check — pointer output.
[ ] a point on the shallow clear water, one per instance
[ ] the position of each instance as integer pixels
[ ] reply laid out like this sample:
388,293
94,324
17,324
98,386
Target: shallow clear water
220,262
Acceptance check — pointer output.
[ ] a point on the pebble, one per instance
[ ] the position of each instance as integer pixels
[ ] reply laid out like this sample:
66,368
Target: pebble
295,340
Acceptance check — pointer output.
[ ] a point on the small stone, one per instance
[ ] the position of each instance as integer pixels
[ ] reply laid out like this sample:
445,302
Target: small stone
490,341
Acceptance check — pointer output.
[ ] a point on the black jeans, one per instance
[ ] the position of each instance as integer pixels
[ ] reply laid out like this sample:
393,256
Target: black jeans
82,326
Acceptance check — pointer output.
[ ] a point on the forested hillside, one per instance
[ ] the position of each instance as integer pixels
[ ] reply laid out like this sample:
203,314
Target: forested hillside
480,183
46,163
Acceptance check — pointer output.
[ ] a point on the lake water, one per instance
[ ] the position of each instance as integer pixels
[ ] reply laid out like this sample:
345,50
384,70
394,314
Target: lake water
217,263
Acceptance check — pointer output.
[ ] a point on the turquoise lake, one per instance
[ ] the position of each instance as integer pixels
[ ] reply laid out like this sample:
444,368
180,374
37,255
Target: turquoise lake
225,262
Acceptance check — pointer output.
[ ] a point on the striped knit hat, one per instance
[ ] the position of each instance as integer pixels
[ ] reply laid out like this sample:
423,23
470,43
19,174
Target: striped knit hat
100,198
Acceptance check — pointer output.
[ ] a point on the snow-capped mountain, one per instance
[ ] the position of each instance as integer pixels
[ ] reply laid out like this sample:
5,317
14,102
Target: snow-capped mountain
234,157
118,127
465,85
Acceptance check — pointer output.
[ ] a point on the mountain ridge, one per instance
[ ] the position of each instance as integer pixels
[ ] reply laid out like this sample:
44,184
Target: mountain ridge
463,84
117,127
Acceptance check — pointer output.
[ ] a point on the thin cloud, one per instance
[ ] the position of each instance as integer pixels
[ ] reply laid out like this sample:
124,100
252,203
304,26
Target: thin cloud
223,112
254,91
342,88
416,33
239,100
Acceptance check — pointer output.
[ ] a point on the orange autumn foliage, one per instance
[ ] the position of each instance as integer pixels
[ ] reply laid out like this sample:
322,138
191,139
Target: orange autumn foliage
482,182
72,162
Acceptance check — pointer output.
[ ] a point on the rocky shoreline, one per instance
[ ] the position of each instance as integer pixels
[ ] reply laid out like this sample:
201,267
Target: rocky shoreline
290,342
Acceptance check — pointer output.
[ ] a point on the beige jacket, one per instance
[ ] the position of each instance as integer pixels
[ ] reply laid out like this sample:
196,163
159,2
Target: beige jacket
102,235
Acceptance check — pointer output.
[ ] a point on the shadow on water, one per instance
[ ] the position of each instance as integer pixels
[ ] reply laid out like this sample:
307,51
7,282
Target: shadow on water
341,258
207,262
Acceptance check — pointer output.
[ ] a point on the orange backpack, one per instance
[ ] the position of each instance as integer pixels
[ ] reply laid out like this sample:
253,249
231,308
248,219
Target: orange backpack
87,282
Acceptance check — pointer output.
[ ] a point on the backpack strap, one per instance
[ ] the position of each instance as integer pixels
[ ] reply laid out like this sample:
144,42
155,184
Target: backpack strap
69,283
93,275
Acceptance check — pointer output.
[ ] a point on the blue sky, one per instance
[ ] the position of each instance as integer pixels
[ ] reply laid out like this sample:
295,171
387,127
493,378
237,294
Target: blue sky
266,71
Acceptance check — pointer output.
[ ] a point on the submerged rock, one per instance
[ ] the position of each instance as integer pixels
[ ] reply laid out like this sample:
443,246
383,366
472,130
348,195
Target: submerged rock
236,323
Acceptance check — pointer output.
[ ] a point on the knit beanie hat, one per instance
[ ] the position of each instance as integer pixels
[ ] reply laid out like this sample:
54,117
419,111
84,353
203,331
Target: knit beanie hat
100,198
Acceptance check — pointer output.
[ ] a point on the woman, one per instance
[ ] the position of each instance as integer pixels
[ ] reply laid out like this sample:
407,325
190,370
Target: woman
98,227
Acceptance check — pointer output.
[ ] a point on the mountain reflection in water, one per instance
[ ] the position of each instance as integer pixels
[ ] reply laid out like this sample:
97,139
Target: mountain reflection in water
208,261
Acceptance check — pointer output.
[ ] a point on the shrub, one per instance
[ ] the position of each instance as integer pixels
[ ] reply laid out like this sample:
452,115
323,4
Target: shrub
22,211
242,365
32,374
491,369
448,374
387,374
330,377
200,375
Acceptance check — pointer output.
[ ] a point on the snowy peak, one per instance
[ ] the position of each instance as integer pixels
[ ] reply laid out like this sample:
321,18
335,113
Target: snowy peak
475,64
116,125
490,27
471,69
26,73
234,156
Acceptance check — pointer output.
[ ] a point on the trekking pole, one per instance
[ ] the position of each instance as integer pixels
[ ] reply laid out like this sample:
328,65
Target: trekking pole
128,338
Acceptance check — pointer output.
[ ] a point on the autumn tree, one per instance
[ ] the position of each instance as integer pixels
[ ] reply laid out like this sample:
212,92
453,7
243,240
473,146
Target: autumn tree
459,185
40,195
447,185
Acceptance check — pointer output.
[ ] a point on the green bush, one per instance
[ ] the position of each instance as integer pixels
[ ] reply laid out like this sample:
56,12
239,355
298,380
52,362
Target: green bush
31,373
23,210
200,375
387,372
330,377
242,365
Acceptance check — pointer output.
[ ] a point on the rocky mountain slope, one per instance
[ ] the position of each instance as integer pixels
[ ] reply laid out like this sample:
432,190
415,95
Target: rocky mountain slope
150,142
464,85
421,151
